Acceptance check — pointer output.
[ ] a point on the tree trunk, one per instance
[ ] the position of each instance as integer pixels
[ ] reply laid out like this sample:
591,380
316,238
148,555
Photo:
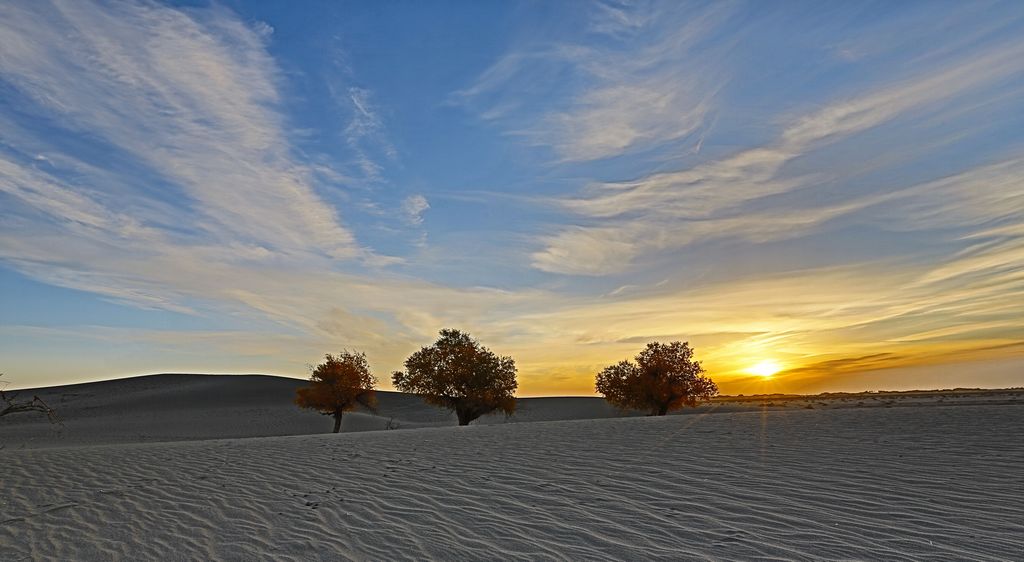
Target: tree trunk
337,422
464,416
660,410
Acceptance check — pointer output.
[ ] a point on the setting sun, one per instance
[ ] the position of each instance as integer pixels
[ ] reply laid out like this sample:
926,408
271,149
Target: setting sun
765,368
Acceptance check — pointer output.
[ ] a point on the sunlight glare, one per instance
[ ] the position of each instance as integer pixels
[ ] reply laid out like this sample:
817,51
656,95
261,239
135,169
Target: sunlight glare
765,368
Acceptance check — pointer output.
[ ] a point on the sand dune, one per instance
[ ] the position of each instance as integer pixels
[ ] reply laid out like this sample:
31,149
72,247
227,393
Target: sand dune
942,482
179,407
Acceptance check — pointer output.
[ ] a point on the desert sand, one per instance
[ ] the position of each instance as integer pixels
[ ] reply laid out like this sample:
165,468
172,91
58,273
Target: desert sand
142,471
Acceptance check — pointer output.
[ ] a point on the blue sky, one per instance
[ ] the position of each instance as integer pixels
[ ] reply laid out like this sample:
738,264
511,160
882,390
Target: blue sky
243,186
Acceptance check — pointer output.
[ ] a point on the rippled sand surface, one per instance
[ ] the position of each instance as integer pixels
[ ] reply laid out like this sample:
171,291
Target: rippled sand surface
941,482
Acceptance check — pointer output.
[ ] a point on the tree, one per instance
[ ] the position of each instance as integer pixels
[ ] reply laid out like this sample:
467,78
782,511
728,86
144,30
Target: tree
10,404
665,377
460,374
340,384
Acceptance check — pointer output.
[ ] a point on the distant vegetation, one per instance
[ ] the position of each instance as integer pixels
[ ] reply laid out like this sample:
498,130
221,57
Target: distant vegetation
340,384
665,377
458,373
11,404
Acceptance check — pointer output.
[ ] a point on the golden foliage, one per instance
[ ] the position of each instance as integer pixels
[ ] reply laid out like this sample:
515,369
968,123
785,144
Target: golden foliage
340,384
458,373
664,377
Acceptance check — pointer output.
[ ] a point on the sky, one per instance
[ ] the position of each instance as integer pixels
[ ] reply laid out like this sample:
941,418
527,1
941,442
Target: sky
833,192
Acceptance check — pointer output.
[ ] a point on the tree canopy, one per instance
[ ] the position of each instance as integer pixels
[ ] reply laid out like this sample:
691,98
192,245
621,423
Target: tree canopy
458,373
340,384
664,377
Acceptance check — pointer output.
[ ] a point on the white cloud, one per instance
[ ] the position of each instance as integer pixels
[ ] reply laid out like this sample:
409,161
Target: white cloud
366,129
413,208
731,196
618,20
612,120
191,99
195,101
647,89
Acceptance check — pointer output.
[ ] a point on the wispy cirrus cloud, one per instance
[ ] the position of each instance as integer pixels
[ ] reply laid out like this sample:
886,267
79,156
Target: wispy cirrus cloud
366,129
648,81
193,102
413,208
187,103
742,195
202,208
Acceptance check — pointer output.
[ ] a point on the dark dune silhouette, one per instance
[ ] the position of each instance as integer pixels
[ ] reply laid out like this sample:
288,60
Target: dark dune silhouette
184,407
187,407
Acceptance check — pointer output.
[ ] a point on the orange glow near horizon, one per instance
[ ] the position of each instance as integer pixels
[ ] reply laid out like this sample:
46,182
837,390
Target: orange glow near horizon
741,369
